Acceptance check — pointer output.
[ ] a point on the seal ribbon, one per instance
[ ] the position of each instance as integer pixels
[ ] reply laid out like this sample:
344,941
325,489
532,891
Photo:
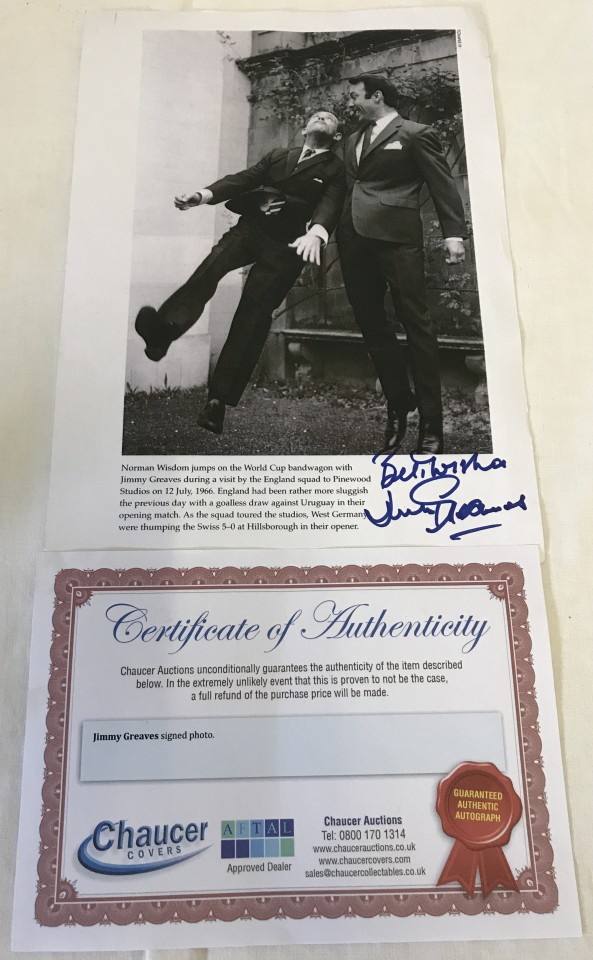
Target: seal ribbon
478,807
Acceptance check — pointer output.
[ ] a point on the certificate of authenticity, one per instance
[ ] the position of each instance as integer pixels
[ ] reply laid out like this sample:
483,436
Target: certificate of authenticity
322,752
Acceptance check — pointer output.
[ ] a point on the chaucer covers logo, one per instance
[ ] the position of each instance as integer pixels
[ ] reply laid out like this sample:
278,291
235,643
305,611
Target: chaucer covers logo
118,848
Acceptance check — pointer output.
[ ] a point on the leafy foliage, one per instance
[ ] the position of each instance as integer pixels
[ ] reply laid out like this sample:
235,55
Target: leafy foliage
290,93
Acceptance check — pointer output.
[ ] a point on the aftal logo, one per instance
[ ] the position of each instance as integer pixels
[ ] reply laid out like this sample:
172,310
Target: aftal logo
117,848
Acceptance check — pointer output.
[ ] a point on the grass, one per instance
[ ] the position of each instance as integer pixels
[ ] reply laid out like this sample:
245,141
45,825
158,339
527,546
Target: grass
287,420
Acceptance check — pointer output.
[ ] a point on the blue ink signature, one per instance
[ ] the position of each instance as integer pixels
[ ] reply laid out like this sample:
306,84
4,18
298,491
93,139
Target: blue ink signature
431,487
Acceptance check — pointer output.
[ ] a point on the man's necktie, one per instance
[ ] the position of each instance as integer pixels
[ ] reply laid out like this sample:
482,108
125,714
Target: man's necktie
307,154
366,140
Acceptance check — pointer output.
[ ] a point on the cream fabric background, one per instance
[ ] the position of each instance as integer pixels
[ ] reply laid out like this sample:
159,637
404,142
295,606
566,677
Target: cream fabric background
543,78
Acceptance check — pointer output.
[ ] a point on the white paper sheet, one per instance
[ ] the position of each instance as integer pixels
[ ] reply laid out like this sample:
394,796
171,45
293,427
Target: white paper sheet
234,753
124,238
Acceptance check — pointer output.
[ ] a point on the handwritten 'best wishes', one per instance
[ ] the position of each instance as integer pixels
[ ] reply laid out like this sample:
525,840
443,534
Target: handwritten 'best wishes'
430,485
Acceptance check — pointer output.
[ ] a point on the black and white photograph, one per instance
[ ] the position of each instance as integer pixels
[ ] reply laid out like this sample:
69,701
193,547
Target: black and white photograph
288,269
303,273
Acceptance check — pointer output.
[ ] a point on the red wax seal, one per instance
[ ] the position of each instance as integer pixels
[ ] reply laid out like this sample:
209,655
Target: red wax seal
478,807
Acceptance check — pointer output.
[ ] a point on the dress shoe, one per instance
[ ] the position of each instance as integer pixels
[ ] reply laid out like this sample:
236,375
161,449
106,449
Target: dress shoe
211,417
154,333
397,425
430,437
395,431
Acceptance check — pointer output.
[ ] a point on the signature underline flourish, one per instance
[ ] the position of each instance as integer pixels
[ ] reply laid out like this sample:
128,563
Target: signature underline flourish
430,486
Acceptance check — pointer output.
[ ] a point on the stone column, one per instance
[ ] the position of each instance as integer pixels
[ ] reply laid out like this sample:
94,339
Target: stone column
193,128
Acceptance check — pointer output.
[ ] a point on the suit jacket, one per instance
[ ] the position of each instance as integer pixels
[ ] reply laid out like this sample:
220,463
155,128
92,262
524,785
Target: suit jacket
314,190
383,199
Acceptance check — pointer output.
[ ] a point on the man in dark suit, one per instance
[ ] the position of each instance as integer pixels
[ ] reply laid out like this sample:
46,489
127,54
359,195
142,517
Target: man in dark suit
381,246
290,202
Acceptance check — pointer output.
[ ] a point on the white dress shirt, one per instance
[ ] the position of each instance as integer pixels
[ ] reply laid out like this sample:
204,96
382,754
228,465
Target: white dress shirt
378,126
312,152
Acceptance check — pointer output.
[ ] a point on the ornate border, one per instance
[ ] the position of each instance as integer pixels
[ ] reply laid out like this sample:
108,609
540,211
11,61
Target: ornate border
57,901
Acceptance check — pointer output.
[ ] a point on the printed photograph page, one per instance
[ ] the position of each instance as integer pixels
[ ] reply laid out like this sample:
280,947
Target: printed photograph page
289,307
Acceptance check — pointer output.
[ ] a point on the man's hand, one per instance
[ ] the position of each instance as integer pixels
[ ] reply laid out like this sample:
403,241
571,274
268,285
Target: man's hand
184,202
308,247
455,251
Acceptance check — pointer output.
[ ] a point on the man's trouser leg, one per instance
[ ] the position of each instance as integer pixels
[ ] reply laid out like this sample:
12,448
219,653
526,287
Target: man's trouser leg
269,280
366,287
184,307
402,265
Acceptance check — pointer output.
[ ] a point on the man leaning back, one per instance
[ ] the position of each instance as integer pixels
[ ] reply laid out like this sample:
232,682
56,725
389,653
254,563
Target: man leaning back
290,202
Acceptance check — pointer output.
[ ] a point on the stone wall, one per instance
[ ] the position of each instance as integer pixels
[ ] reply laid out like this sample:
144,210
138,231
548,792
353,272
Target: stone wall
193,128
